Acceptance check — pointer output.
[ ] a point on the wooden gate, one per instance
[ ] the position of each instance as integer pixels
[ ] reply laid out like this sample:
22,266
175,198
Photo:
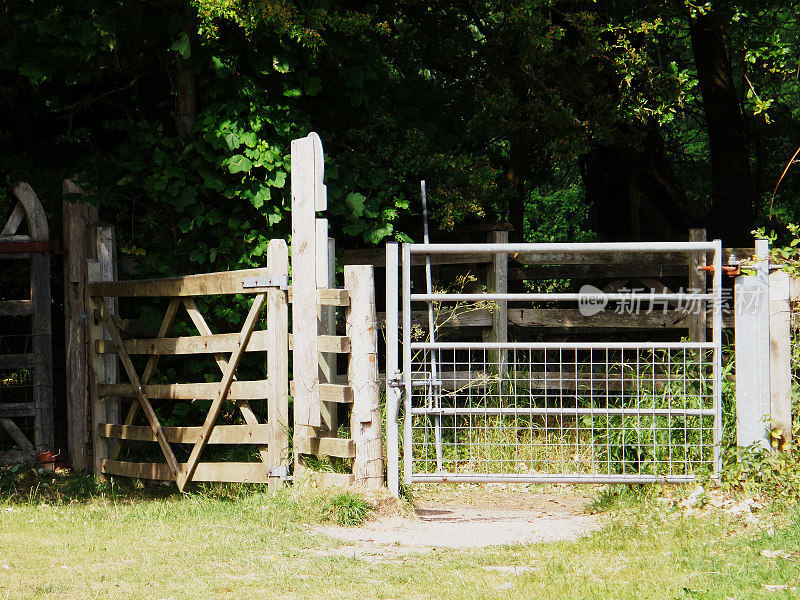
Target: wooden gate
26,379
268,289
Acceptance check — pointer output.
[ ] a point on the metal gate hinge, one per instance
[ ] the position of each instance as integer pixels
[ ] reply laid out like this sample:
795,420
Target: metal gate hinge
278,281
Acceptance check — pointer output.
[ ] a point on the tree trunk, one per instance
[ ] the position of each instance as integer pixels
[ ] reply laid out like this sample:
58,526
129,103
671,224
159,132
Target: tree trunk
515,177
731,183
632,190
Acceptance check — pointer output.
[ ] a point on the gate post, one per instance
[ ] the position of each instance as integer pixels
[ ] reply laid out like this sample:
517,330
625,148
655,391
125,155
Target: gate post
365,418
780,354
751,306
392,385
76,219
278,364
103,367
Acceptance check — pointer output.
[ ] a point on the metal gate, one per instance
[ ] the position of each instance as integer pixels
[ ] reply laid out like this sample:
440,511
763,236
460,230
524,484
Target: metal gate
528,411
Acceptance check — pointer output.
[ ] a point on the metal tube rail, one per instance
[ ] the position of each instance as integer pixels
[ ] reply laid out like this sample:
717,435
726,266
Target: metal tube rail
547,478
573,297
566,411
577,248
562,345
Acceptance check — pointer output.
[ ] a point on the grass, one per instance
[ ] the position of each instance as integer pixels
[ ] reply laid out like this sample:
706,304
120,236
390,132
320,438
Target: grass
226,542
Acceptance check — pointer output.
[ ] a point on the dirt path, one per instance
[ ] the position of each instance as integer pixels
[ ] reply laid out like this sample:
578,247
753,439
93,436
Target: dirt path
471,517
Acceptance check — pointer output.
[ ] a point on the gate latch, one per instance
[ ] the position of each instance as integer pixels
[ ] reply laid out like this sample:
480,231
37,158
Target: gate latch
395,380
278,281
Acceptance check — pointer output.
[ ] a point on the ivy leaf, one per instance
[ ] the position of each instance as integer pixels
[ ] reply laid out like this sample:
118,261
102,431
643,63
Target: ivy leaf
239,164
292,92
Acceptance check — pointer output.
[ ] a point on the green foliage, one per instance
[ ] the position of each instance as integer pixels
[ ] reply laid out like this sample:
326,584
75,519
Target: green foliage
346,509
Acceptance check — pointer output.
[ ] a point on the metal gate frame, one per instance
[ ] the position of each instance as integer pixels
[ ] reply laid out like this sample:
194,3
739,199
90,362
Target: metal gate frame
399,383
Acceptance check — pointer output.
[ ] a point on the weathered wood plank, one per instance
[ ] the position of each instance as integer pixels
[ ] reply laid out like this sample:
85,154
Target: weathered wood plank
16,361
77,217
214,344
780,354
331,392
102,267
650,263
362,372
15,308
205,284
307,176
377,258
325,446
221,434
17,409
17,457
278,364
16,434
240,390
255,472
564,317
14,220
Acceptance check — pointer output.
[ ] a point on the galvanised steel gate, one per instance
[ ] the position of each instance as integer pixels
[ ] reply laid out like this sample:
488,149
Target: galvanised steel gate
594,412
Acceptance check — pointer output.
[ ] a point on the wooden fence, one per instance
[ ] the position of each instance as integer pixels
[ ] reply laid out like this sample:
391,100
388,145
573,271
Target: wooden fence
28,367
320,395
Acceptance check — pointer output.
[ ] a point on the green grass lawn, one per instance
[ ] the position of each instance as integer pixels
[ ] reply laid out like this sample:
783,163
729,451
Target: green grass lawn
249,543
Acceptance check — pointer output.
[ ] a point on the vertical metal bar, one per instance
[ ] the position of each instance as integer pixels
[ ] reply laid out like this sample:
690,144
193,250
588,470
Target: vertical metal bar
392,391
434,389
717,324
407,441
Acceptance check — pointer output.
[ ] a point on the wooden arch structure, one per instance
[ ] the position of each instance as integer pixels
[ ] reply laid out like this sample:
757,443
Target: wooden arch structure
30,366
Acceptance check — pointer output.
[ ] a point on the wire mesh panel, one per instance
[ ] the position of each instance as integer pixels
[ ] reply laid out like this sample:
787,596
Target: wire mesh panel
536,411
639,411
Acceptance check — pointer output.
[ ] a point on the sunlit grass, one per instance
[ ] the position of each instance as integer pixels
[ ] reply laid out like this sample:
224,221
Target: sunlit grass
252,543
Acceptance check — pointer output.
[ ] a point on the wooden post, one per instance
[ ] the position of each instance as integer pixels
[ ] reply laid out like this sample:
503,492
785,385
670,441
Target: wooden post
497,282
697,282
278,364
41,328
326,278
101,267
307,197
780,354
76,220
365,419
751,303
